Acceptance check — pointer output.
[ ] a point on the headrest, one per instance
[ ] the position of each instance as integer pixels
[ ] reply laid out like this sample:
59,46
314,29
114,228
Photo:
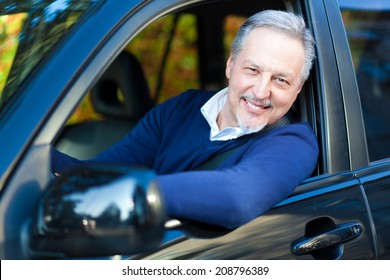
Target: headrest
126,75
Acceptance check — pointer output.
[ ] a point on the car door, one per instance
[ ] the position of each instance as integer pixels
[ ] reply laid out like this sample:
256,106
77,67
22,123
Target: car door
376,183
327,217
318,209
328,207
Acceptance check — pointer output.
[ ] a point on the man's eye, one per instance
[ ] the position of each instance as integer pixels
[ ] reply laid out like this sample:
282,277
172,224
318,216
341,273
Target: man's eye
282,81
251,70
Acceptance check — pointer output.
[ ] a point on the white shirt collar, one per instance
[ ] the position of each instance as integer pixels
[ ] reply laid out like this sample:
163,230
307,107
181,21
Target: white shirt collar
210,111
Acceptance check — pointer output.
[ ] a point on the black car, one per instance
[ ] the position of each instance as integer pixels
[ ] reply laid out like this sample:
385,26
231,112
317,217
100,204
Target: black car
121,58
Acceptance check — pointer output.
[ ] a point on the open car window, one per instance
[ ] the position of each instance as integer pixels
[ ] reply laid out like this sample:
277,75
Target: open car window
180,51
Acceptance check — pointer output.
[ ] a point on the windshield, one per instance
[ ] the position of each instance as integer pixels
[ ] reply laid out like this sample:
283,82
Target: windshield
29,31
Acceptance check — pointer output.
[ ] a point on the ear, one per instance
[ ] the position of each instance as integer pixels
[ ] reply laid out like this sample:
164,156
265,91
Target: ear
300,88
229,66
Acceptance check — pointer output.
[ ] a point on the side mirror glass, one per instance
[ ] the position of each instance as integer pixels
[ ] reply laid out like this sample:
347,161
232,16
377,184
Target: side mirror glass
99,210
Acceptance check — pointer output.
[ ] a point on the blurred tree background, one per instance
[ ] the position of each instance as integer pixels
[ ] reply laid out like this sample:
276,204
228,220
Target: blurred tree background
10,27
150,46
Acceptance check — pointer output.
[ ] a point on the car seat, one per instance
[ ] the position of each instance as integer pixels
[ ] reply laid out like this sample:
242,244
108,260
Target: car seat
121,112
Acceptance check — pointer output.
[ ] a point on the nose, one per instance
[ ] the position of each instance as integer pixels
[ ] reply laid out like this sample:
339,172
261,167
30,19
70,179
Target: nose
262,87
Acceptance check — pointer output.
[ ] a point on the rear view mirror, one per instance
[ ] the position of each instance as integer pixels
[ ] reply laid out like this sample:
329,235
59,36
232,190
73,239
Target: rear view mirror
99,210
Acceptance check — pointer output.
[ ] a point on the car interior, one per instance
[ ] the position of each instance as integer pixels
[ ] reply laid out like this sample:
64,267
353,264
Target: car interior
122,97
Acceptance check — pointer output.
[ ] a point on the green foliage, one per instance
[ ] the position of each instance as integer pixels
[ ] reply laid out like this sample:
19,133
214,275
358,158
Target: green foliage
10,27
180,70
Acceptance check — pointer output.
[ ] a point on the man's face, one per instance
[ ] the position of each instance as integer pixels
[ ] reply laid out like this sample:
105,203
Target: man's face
264,80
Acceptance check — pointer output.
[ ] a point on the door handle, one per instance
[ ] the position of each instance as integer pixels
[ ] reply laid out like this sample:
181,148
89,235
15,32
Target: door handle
341,234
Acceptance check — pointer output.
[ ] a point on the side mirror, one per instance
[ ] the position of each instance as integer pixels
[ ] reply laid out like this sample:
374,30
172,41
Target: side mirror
99,210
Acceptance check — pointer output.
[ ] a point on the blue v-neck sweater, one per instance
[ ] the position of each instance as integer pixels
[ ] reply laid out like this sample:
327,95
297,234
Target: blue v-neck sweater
173,139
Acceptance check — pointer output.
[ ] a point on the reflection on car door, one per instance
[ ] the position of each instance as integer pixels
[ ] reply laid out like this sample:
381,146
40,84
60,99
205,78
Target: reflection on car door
317,207
376,183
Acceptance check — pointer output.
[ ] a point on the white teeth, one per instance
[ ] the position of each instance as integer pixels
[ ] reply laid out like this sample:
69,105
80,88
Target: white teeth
253,106
256,104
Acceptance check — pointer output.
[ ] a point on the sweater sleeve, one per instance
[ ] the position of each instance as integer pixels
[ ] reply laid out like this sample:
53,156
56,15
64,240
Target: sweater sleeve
61,161
266,173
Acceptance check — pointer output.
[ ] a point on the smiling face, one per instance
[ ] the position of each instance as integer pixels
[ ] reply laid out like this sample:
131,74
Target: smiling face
264,80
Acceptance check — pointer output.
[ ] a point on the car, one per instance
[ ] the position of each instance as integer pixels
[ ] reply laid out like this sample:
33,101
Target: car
121,58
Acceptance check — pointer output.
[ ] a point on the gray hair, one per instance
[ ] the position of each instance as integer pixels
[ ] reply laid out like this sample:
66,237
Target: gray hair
286,22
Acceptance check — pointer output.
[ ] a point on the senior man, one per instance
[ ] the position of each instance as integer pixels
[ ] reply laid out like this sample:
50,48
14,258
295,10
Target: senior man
270,60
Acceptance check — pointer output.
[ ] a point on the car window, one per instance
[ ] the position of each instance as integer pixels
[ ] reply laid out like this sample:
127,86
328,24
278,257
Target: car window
177,52
29,31
367,24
